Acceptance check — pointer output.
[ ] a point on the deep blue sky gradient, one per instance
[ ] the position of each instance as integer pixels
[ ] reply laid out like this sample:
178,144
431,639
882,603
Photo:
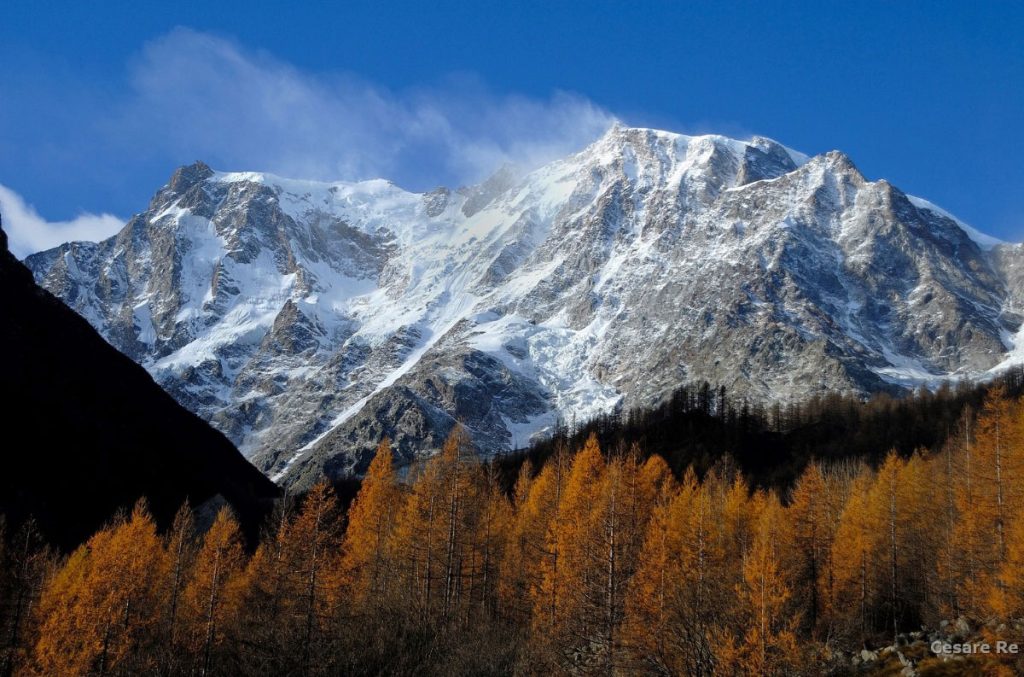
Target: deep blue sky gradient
929,95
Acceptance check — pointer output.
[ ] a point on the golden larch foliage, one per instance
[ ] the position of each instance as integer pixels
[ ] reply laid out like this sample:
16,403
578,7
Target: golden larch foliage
213,595
366,561
102,607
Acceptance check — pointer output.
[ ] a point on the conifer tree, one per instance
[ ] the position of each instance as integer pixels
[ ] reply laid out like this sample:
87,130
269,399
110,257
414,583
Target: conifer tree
677,592
102,612
529,553
180,547
562,616
810,532
998,493
854,552
312,542
1006,598
213,595
487,544
366,562
431,538
768,645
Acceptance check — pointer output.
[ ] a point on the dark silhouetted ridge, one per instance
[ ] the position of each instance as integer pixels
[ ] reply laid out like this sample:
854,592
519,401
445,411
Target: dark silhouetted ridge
87,431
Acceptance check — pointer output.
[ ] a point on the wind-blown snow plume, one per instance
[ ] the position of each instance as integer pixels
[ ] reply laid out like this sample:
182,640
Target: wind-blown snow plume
210,97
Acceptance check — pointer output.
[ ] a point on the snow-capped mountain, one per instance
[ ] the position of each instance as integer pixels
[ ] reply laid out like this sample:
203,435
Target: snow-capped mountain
306,320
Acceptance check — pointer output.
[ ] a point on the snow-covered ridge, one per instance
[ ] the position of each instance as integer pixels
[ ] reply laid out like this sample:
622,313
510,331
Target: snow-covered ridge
307,319
981,239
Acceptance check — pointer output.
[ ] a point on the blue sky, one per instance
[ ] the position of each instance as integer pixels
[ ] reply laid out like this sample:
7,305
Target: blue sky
99,102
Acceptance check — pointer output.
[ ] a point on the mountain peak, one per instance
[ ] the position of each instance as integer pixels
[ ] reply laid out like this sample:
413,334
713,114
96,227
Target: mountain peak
189,175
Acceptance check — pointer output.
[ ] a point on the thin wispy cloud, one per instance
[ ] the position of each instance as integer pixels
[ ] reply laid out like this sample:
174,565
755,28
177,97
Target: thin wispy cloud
191,96
28,232
241,109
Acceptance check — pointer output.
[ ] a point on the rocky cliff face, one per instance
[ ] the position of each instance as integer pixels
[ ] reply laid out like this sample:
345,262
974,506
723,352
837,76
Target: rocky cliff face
306,320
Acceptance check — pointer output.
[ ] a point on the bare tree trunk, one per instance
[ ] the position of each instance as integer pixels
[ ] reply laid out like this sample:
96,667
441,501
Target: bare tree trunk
19,603
892,536
210,616
453,516
428,573
1000,509
311,591
610,584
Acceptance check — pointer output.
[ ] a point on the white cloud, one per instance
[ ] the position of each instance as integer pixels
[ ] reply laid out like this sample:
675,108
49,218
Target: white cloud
196,96
199,96
27,232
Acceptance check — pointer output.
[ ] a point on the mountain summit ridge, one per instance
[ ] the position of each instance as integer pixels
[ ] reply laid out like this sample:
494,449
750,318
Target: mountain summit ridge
308,319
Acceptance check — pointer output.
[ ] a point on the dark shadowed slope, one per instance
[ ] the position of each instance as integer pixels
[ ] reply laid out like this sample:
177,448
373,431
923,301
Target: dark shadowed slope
87,431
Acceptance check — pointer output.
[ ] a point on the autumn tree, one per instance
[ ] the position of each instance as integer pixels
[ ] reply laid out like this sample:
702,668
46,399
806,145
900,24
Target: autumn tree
1007,596
810,539
677,596
212,597
487,544
563,619
998,493
528,551
884,500
953,560
366,562
431,537
101,612
180,546
768,645
854,552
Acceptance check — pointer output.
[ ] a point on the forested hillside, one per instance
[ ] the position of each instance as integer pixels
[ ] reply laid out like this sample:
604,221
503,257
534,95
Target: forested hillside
700,424
598,562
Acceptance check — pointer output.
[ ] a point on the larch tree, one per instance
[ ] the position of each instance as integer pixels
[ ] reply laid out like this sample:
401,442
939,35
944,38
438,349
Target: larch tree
181,552
431,537
646,627
1006,598
213,594
312,541
998,492
768,645
561,613
920,533
949,564
529,553
854,551
366,562
738,519
899,504
617,513
181,546
809,549
677,592
487,544
885,501
102,611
